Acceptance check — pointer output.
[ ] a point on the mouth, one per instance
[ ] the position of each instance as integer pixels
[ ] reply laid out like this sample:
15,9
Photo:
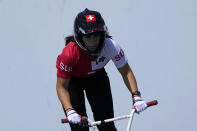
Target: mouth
92,47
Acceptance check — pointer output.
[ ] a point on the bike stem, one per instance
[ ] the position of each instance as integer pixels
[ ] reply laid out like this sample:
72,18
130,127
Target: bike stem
130,119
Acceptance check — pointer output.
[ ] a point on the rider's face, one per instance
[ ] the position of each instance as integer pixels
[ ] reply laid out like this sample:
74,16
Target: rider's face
92,41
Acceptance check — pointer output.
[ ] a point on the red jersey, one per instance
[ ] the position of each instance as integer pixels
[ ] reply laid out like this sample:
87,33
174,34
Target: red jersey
75,62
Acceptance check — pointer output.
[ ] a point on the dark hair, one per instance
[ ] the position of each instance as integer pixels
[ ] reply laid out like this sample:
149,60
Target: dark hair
70,38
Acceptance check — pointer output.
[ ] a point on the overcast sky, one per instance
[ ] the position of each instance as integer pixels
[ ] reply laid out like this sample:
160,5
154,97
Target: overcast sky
159,40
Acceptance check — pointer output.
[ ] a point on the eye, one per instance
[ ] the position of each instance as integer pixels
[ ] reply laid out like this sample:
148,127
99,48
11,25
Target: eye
96,34
93,35
86,36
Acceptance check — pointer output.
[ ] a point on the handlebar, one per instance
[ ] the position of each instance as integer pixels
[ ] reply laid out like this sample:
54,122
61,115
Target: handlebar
151,103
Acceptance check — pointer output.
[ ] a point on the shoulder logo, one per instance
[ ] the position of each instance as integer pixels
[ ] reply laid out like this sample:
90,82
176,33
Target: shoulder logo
120,55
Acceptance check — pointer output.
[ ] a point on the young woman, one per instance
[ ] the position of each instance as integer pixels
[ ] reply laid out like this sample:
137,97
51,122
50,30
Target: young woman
80,68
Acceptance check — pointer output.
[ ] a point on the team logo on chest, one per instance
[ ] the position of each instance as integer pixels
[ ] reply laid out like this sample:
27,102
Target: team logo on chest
101,59
99,63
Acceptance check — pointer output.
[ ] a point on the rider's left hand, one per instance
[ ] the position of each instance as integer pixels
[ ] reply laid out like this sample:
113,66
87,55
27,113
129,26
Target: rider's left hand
139,104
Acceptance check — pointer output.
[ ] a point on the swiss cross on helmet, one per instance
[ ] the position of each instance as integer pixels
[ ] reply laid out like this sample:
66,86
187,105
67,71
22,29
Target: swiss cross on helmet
88,22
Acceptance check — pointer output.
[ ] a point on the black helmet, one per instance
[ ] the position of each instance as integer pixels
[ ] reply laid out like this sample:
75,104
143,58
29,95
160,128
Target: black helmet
88,22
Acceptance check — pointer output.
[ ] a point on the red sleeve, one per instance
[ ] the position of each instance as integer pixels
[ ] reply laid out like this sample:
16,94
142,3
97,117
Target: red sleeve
64,64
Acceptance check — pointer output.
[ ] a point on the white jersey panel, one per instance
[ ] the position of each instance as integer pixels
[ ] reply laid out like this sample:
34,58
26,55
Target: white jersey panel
110,51
118,56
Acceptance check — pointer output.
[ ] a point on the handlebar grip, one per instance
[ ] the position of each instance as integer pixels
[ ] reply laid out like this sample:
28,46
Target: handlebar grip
65,120
83,118
152,103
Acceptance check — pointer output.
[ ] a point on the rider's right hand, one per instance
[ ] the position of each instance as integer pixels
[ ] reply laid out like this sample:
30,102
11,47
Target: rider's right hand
73,117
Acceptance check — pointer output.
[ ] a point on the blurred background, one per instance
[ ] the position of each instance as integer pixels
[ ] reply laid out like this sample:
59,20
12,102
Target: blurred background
159,40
